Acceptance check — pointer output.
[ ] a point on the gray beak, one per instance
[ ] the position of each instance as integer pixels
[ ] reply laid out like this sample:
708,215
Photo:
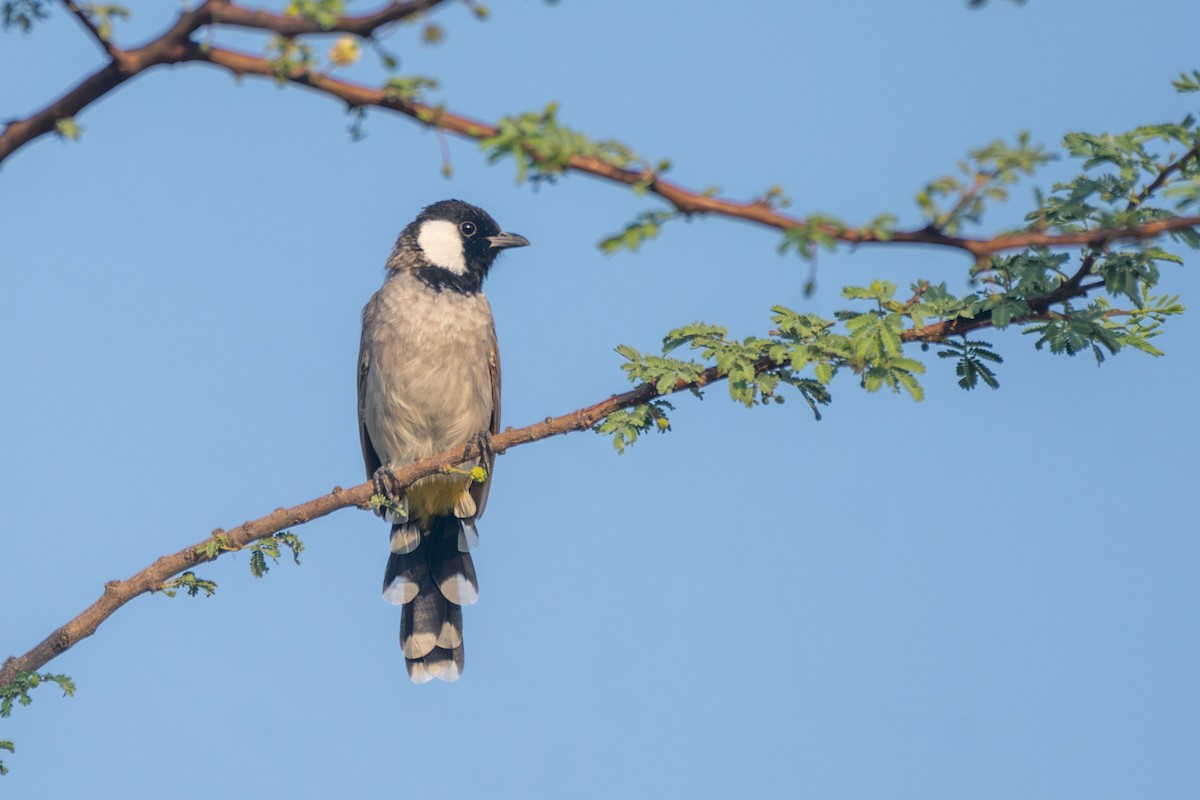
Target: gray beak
504,240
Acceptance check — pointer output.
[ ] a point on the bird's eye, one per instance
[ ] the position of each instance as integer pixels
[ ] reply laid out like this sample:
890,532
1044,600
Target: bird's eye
467,228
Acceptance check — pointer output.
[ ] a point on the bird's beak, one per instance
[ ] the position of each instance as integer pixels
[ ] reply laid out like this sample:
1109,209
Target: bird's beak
504,240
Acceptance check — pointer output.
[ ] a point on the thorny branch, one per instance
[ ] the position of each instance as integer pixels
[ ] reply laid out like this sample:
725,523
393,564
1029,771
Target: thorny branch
177,46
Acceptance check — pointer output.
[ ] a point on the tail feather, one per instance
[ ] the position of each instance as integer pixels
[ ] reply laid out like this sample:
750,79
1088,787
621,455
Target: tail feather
457,581
421,622
432,581
405,537
440,663
450,636
405,574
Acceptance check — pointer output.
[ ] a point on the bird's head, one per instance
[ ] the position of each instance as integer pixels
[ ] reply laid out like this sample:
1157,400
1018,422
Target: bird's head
452,244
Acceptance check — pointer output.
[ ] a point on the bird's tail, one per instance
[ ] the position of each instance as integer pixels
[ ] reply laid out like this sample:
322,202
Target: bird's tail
430,574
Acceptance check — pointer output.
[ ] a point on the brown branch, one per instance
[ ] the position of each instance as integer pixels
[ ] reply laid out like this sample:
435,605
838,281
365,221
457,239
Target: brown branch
171,48
1039,309
365,25
151,579
684,200
176,46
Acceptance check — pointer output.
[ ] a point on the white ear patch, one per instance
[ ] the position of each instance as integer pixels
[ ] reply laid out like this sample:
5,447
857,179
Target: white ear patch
442,245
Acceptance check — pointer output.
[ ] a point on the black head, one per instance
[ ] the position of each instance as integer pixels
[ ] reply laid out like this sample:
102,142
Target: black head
452,245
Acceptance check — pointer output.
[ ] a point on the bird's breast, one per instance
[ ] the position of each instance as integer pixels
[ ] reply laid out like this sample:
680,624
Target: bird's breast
429,385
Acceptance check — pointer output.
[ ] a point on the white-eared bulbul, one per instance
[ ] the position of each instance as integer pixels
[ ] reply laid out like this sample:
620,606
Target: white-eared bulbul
428,379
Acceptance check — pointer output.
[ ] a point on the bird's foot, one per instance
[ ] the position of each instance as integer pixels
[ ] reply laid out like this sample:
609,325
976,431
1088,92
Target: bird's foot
487,455
387,502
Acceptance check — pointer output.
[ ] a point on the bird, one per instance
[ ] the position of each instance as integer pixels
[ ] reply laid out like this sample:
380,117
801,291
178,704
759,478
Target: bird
428,379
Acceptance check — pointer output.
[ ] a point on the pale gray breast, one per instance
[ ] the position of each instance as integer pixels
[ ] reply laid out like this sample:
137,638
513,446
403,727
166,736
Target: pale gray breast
429,384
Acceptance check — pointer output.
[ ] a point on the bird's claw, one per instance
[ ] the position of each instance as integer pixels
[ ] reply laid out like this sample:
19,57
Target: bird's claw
483,440
388,502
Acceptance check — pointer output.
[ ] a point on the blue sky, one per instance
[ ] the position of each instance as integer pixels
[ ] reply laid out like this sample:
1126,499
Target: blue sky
986,595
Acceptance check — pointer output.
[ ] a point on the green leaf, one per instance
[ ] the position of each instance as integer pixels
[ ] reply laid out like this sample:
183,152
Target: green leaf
1186,82
626,425
875,335
824,372
644,227
23,14
191,584
323,12
971,355
987,174
288,58
880,291
215,545
817,231
408,88
271,547
543,148
24,683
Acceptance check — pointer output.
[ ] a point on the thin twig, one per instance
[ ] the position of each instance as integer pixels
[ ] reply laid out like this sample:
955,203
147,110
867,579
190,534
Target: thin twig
85,19
1162,176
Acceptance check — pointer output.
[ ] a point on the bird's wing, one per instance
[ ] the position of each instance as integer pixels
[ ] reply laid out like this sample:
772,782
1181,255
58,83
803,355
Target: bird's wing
370,457
479,491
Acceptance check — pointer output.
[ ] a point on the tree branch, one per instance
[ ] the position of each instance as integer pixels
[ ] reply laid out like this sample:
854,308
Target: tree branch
171,48
227,13
151,579
176,46
683,199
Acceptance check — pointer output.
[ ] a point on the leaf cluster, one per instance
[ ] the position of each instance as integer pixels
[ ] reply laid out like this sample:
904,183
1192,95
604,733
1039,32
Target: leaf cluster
288,56
1100,328
971,356
1121,174
542,147
323,12
1045,292
819,231
214,545
408,88
190,583
1187,82
626,425
23,14
805,352
988,173
18,692
271,547
645,226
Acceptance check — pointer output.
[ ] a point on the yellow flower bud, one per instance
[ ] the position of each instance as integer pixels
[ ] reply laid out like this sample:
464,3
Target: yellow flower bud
344,52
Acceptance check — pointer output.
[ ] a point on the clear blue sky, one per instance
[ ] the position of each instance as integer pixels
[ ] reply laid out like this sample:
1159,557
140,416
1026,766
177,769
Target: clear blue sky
985,595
